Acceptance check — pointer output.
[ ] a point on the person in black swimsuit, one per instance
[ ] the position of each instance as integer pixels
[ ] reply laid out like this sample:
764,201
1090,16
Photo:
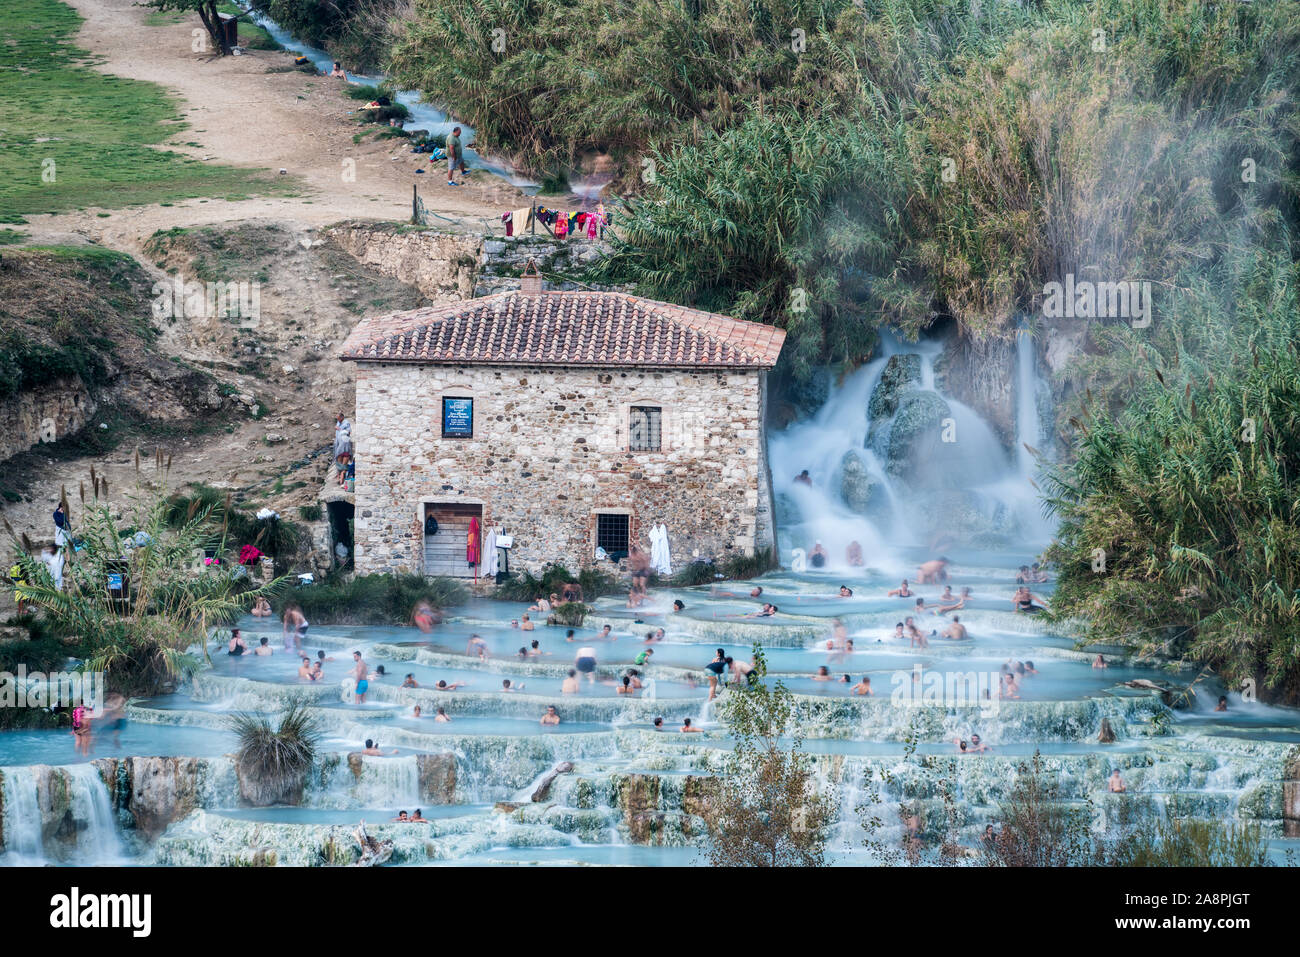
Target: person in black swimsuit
1024,601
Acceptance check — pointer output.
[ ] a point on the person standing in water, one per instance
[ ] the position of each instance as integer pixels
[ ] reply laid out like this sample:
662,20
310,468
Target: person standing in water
585,662
361,673
295,628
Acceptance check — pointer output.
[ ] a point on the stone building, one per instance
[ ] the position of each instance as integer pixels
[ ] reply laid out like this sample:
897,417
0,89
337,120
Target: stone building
570,420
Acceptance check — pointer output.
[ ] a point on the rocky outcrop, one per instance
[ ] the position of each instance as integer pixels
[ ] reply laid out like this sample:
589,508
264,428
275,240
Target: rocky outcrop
437,773
262,789
1291,797
155,791
45,414
981,373
915,436
857,485
901,373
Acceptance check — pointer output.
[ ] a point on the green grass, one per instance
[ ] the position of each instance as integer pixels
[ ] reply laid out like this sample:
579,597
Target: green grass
99,130
9,237
250,34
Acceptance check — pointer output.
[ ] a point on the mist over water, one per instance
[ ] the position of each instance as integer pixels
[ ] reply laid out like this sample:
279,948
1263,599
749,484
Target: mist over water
966,488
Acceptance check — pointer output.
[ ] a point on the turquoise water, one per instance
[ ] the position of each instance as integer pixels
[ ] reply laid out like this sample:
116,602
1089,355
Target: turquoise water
1202,761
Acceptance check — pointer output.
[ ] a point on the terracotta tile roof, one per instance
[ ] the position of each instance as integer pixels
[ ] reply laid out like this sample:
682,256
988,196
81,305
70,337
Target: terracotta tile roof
565,328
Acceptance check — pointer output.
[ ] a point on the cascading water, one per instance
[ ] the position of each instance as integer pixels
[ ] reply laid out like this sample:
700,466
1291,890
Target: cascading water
98,841
21,822
924,469
820,445
88,825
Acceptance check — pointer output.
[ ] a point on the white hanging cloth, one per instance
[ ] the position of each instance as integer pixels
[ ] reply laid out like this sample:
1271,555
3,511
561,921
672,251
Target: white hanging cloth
490,553
660,554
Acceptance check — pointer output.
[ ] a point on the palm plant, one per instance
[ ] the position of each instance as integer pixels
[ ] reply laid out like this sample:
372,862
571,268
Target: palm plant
142,632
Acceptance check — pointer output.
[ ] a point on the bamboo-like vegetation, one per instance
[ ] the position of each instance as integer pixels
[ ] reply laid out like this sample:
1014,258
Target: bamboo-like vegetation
1180,512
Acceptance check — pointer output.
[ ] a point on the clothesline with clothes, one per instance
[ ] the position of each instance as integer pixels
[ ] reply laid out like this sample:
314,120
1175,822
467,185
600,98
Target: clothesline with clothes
559,223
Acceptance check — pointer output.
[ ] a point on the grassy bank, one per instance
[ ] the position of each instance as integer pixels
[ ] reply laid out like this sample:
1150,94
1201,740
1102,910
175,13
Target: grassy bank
75,137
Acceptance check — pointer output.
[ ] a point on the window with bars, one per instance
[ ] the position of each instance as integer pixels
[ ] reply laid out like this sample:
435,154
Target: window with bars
612,535
643,428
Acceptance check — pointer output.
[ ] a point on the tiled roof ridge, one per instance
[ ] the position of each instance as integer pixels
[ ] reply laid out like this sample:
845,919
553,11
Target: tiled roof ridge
564,327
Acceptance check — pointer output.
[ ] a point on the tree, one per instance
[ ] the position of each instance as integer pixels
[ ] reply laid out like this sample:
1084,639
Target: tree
925,789
771,812
207,11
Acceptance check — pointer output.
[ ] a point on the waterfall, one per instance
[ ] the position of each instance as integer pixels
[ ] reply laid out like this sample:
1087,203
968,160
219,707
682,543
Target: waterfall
88,818
949,477
819,445
22,818
92,808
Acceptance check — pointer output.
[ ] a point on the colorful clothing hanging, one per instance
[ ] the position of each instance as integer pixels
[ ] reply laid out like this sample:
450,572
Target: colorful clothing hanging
472,543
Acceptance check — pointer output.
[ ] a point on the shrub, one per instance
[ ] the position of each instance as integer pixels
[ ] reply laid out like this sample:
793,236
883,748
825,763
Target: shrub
526,587
373,599
1188,491
570,614
235,527
142,635
273,762
770,811
1182,842
310,513
733,567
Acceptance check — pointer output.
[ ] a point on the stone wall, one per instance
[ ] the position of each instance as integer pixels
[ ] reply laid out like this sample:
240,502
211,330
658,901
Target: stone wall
549,452
44,414
443,266
448,267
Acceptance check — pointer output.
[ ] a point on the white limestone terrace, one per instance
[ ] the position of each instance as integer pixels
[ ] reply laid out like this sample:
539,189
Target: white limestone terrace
624,793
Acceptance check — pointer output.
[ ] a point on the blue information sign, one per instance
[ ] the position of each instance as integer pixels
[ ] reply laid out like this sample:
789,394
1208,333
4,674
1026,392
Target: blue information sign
457,417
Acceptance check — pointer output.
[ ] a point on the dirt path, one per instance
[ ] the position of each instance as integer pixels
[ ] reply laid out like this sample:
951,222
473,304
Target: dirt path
244,111
250,111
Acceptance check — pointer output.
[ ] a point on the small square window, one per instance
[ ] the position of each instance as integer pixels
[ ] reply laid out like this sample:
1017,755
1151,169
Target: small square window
643,428
612,535
457,417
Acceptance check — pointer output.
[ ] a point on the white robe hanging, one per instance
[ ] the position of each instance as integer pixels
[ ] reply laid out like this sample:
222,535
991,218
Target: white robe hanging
490,553
660,554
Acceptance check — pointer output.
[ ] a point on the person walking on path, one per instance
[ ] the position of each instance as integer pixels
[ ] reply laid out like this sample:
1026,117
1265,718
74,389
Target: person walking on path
455,157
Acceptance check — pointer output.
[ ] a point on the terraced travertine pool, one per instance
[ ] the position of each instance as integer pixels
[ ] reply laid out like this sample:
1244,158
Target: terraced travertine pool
164,790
